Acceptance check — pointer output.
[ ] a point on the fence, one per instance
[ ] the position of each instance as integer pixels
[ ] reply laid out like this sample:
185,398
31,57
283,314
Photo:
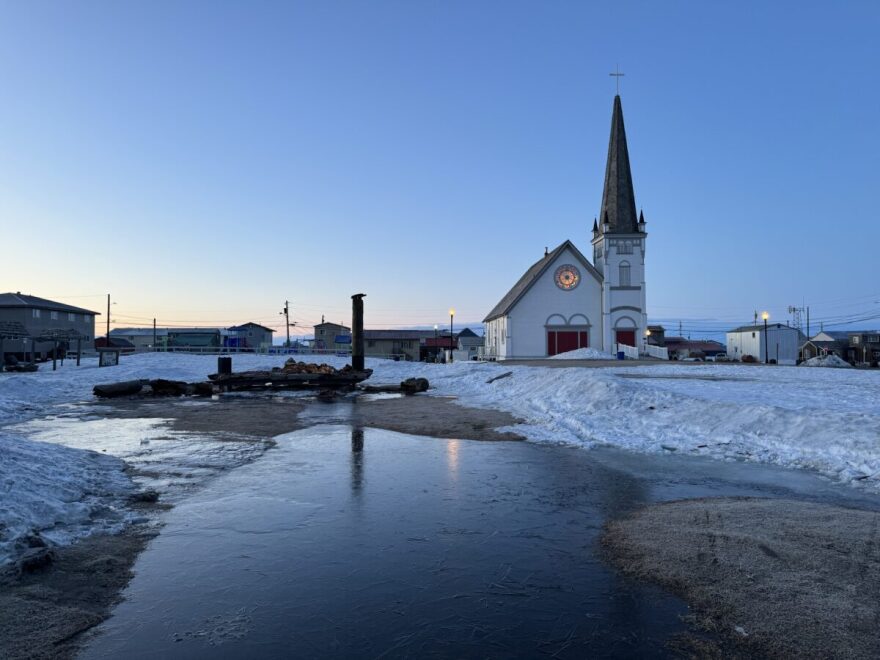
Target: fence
272,350
629,351
658,352
224,350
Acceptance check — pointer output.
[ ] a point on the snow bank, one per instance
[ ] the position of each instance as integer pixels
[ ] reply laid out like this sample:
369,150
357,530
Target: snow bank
825,420
829,360
583,354
55,491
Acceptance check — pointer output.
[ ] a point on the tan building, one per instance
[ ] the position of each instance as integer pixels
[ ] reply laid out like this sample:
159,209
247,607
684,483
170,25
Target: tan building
332,337
400,344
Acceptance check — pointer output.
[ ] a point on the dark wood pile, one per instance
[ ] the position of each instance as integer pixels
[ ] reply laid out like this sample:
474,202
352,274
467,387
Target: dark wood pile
293,375
327,380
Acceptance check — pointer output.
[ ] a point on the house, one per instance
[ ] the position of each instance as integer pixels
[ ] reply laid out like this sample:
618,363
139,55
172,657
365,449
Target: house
398,344
204,339
781,344
123,345
563,301
249,336
332,337
825,343
680,348
433,347
143,339
45,322
470,342
863,348
657,335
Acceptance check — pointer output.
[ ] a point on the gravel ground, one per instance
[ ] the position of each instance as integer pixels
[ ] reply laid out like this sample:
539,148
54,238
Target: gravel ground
777,578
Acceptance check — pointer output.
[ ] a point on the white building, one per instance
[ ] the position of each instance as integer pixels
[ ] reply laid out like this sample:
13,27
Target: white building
781,341
563,302
141,338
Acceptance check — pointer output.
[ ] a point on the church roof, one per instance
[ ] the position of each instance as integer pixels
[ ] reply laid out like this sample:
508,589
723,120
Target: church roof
618,198
533,274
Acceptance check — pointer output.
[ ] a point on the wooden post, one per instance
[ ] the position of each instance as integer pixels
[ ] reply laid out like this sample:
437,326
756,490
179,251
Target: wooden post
357,331
54,355
79,343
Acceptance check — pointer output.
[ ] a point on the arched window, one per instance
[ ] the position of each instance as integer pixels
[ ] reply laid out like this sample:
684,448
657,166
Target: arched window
624,273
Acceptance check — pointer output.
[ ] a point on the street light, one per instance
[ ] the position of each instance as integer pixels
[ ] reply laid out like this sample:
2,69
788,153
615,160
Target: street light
451,332
765,316
647,336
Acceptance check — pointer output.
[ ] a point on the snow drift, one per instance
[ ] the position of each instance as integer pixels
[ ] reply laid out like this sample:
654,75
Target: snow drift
56,492
583,354
829,360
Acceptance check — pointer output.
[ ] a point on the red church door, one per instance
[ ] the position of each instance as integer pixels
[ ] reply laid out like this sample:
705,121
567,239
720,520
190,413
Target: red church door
626,337
562,341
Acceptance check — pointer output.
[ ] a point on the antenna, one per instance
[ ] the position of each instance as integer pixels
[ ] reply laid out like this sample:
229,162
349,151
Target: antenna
796,313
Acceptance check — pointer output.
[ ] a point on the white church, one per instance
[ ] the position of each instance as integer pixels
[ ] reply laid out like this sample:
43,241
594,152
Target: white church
563,302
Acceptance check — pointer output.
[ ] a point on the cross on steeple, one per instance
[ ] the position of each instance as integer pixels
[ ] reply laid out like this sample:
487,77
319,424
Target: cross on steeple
617,75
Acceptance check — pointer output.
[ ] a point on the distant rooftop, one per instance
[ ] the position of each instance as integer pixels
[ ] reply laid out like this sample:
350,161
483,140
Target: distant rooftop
398,334
19,299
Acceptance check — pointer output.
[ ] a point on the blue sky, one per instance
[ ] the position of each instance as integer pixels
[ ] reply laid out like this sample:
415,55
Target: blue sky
205,161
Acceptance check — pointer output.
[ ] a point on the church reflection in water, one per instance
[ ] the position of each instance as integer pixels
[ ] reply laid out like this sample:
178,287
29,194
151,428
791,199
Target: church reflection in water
452,448
357,458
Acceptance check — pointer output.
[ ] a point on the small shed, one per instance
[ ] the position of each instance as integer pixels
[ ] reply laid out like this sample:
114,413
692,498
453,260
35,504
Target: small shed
778,342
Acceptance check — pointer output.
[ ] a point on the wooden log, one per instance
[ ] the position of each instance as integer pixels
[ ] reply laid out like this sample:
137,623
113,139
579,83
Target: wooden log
162,387
200,389
114,390
504,375
414,385
408,386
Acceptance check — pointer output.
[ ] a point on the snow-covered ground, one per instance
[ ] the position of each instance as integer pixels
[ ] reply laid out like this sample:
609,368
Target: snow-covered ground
826,420
56,491
583,354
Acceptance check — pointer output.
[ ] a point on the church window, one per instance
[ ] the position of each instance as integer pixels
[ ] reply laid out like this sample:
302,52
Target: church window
625,247
624,273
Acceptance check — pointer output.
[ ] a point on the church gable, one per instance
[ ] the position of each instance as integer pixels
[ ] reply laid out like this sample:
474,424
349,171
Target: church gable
537,271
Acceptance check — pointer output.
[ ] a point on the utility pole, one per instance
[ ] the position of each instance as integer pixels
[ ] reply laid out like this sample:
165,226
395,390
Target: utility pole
808,322
155,340
108,320
287,324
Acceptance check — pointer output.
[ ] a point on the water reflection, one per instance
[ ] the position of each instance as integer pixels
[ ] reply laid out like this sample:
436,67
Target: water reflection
357,459
422,559
452,447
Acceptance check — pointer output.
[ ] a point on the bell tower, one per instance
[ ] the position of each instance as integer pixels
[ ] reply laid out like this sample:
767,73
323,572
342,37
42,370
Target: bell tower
619,239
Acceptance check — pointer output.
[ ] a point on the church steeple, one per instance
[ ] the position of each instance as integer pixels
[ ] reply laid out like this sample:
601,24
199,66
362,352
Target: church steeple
618,199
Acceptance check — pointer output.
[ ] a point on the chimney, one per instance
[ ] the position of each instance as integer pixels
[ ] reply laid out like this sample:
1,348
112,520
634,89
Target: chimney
357,331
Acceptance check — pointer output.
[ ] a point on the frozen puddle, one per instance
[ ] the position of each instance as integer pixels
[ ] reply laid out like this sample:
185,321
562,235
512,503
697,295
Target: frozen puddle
359,543
348,542
170,462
